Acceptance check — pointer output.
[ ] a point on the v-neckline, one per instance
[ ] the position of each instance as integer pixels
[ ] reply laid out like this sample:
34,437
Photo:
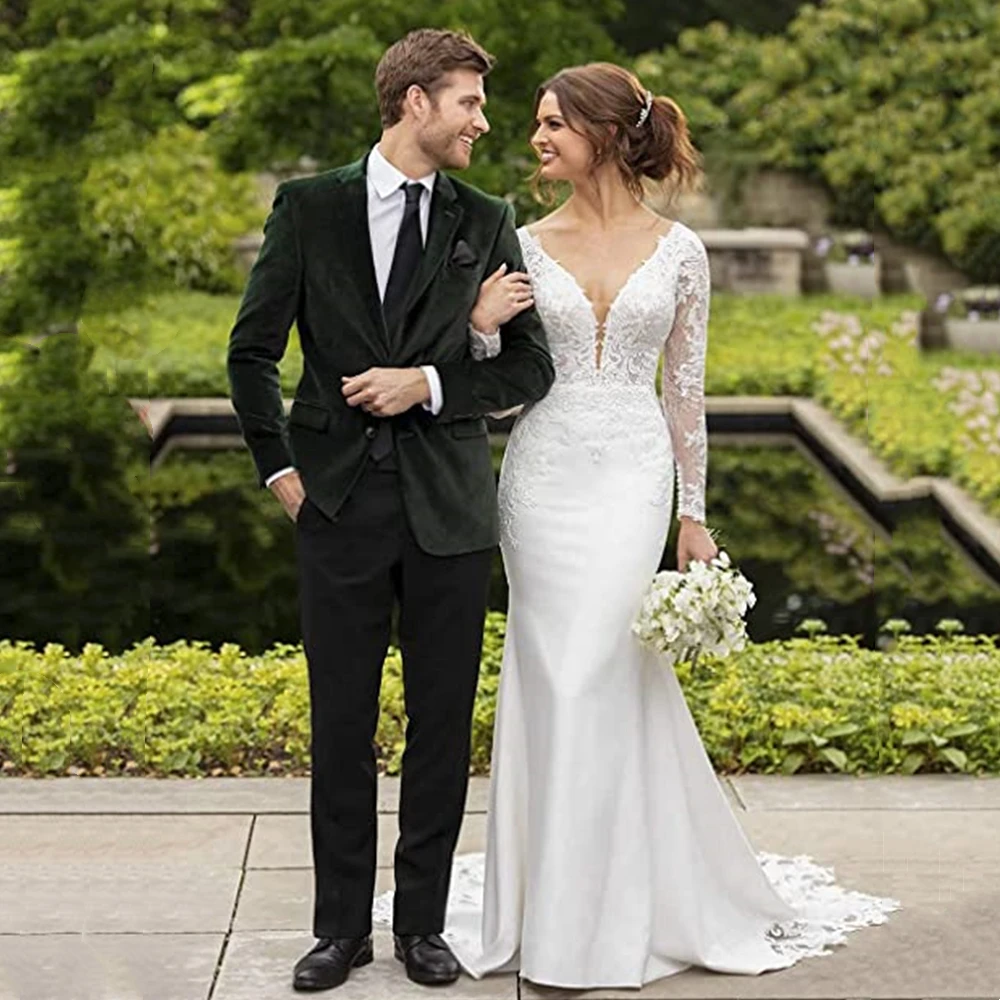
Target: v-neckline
601,325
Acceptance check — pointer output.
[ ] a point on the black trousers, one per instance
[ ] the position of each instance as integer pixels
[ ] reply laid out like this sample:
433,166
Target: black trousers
352,570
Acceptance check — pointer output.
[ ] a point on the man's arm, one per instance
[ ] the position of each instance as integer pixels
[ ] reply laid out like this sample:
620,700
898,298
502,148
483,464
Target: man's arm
259,338
522,372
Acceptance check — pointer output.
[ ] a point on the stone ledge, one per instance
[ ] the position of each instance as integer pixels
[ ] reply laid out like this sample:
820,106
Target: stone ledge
818,423
754,238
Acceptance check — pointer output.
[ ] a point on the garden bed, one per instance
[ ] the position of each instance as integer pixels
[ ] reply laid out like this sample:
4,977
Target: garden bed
812,704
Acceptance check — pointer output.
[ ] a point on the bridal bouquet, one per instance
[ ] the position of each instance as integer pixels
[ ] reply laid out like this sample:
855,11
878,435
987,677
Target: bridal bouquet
698,611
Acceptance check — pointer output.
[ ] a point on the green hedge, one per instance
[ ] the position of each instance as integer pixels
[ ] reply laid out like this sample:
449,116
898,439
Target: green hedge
818,704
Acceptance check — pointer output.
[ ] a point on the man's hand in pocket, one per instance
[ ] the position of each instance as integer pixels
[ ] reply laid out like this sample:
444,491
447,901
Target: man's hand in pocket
290,493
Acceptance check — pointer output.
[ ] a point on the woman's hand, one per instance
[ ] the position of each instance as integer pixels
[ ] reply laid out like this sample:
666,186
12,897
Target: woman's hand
501,297
694,542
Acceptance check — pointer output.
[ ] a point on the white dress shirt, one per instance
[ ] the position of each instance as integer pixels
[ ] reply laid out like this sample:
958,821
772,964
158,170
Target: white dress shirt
386,204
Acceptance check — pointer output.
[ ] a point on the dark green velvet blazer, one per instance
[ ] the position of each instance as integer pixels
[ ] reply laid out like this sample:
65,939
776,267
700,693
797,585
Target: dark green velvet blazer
315,269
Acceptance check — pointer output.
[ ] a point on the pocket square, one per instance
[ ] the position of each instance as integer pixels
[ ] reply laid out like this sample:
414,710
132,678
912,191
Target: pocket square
463,255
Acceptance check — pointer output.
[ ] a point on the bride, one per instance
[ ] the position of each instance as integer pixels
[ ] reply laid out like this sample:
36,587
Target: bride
613,857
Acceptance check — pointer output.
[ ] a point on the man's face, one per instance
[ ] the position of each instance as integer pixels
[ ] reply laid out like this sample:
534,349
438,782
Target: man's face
449,123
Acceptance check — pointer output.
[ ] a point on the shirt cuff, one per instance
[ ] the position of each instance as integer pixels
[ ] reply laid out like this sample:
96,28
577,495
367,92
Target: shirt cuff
484,345
277,475
437,393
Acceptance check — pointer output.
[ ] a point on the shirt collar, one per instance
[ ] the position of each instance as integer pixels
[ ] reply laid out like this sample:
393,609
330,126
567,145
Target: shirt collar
386,179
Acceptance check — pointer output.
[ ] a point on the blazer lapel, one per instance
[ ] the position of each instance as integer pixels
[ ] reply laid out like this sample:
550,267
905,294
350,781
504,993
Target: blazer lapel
355,251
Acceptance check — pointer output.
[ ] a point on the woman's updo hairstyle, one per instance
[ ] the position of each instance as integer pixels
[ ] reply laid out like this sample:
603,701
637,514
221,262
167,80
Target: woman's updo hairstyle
644,135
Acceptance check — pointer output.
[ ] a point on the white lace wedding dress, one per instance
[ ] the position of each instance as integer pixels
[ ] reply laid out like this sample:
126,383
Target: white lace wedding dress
613,857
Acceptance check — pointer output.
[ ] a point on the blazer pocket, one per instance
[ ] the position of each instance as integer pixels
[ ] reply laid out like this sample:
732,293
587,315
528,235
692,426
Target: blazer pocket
469,428
463,255
310,415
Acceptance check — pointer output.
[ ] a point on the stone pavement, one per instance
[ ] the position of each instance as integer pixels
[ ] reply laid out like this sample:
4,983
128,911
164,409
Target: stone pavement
139,889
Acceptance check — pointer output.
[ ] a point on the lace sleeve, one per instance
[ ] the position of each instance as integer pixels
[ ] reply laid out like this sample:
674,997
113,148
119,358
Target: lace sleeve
483,345
683,391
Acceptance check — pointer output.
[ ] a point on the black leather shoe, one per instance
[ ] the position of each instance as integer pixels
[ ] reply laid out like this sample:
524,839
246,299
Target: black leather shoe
428,959
330,962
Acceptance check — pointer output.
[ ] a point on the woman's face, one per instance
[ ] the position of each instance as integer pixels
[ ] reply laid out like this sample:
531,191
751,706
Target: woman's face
565,155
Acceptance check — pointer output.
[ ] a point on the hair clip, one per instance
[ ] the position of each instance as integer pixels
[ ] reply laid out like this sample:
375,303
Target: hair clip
644,114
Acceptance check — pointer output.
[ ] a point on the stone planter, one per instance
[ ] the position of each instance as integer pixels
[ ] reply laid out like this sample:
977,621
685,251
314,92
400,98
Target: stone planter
845,278
982,335
767,261
929,276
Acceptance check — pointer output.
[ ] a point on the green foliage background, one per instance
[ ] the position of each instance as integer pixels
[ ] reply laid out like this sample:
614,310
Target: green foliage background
128,133
893,105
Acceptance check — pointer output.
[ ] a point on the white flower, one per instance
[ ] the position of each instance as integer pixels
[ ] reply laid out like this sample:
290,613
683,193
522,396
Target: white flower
700,610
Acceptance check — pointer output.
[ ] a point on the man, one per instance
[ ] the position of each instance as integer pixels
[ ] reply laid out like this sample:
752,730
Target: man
385,467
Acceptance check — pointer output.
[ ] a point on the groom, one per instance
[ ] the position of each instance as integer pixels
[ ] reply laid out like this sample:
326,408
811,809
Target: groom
385,466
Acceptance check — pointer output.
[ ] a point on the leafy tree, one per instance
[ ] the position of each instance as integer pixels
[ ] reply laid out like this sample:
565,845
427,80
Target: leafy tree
644,26
893,104
73,526
307,88
167,213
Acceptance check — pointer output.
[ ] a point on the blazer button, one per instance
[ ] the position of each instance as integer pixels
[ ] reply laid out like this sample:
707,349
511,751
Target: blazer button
370,432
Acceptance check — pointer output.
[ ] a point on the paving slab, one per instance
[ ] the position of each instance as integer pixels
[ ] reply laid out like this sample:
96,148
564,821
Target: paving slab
153,795
108,966
258,966
284,841
282,899
925,792
877,835
951,952
118,899
215,841
186,795
924,885
276,900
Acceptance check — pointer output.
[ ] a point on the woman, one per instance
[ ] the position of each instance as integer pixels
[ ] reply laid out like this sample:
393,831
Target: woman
613,857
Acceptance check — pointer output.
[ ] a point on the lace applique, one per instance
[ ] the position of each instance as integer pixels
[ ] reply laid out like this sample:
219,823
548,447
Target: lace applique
825,912
483,346
661,310
683,386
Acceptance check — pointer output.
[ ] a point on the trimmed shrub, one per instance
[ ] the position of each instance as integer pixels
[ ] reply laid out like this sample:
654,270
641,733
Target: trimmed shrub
817,704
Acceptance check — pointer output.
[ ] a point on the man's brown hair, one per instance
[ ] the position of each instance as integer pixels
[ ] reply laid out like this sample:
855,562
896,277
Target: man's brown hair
423,57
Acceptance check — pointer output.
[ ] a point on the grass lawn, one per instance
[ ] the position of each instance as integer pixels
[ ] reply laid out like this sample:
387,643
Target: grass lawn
175,345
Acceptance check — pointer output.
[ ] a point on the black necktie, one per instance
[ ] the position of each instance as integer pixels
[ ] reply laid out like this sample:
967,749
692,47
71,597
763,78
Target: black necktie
409,249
